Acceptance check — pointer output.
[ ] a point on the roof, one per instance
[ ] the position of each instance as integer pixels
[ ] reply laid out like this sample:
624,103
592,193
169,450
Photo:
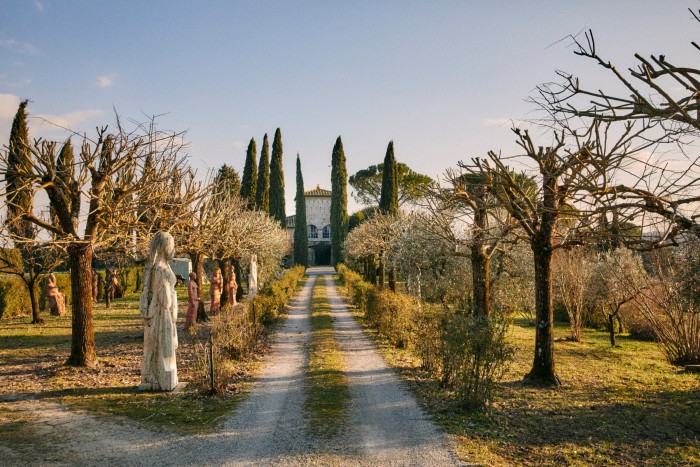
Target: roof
318,191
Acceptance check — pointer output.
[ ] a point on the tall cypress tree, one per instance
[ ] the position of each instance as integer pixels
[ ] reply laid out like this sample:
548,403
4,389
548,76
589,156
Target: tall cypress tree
277,203
301,240
250,176
339,202
389,200
262,191
19,192
389,204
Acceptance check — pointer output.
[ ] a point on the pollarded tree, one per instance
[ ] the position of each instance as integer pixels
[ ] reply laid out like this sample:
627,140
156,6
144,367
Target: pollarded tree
468,216
339,202
367,185
567,175
277,202
250,176
262,191
301,239
111,173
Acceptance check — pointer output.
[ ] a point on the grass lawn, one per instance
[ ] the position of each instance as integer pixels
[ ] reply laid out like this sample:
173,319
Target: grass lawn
327,387
617,406
32,361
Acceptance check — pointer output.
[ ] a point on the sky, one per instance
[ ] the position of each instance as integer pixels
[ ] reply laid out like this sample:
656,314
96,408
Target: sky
442,79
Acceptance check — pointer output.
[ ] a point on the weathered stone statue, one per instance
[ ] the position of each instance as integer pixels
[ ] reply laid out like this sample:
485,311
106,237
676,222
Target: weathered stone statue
232,285
216,285
253,276
158,305
95,282
57,301
192,301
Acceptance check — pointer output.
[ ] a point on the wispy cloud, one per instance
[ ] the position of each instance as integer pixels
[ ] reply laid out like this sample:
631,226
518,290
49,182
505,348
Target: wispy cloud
17,46
106,81
39,4
70,120
507,122
237,144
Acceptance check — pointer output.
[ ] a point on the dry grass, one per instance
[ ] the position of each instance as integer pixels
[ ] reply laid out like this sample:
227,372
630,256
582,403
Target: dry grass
618,406
32,361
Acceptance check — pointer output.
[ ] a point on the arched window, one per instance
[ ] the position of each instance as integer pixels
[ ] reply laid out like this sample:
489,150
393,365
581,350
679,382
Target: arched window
327,231
313,231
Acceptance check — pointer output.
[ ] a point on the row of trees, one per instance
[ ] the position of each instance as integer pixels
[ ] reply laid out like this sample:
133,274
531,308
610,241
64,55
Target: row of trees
600,179
121,188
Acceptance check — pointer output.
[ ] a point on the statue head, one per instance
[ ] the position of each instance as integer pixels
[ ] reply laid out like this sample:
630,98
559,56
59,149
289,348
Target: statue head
193,276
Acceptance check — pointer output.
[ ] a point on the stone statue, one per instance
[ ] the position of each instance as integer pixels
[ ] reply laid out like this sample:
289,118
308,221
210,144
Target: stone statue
216,285
57,301
192,301
253,276
158,305
95,282
232,285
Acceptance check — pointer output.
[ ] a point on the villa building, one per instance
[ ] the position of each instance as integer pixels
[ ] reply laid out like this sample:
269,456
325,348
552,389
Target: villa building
318,225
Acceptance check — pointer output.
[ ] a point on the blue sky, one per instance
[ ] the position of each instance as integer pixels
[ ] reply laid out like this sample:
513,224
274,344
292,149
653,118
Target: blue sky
441,78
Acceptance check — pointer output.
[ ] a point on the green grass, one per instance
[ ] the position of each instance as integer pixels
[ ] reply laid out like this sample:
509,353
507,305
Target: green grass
327,387
623,405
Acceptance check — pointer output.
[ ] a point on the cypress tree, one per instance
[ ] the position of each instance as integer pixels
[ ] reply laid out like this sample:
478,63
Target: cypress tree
277,203
19,193
250,176
389,204
389,200
339,202
262,191
301,240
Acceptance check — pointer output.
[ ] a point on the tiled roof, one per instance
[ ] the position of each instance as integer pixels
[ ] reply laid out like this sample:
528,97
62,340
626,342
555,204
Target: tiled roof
318,191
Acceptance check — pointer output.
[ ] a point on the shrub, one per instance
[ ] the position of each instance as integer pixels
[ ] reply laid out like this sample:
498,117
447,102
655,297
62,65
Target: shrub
14,299
233,333
467,353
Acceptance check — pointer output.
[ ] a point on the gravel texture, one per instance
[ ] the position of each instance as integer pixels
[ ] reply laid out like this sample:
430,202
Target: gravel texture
268,428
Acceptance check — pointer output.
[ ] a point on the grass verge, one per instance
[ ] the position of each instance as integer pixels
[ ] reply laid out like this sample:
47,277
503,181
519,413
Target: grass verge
32,361
327,387
622,405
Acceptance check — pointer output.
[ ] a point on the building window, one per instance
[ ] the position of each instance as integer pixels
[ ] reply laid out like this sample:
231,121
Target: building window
327,231
313,231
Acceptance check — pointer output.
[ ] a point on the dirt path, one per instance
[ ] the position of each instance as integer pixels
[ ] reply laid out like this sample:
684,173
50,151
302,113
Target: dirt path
268,428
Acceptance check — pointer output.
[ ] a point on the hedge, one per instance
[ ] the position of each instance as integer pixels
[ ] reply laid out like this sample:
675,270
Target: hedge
14,299
268,304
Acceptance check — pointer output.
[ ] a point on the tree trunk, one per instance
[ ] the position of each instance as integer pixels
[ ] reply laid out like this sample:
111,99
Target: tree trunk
611,329
543,364
372,270
223,300
198,266
380,271
83,340
36,319
481,281
239,278
392,278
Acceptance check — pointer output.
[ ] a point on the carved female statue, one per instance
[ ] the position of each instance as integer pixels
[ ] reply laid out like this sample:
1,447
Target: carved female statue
193,300
232,285
253,276
158,305
216,285
57,301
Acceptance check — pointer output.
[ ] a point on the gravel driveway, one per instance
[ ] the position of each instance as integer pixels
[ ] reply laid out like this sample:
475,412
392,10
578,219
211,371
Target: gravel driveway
268,428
